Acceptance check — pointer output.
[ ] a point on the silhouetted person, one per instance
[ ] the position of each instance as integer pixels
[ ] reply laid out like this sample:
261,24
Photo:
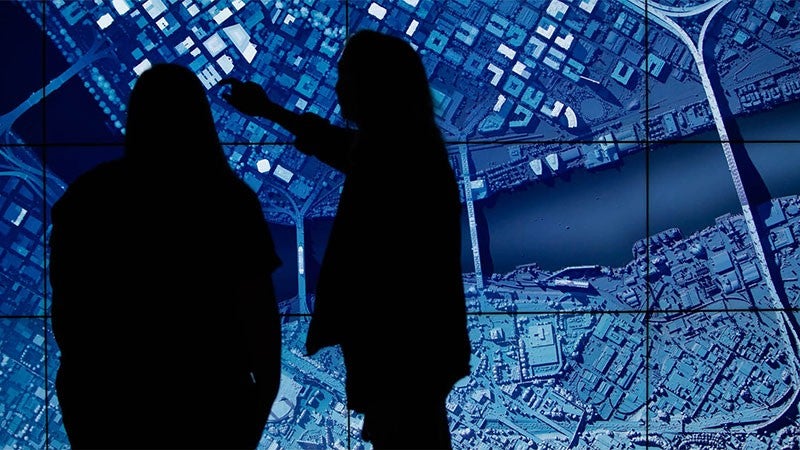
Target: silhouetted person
390,290
163,303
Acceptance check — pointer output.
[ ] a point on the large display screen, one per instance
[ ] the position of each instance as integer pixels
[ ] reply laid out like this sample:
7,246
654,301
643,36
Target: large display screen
629,173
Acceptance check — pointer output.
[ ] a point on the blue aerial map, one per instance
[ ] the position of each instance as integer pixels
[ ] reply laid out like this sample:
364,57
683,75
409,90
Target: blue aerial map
628,170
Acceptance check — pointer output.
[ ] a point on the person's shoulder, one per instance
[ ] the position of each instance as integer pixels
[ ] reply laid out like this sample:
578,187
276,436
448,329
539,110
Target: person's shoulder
239,193
97,181
105,172
238,187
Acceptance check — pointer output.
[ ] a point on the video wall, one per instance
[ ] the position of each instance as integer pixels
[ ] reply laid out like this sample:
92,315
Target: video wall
628,172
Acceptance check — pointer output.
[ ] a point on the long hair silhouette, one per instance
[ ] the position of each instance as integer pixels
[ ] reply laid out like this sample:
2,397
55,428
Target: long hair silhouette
170,121
383,83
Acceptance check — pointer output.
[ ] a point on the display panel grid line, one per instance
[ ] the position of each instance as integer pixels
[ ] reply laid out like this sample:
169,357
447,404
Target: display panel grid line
649,312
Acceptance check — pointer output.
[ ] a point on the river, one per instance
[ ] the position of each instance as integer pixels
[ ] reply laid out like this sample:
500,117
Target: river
595,217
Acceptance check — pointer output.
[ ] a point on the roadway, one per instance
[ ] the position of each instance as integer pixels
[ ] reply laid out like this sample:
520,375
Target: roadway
662,15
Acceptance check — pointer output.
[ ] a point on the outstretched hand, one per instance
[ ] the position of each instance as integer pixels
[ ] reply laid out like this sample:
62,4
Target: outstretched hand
247,97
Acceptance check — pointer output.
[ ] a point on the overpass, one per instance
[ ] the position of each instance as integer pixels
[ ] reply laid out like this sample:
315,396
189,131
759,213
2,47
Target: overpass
94,53
743,173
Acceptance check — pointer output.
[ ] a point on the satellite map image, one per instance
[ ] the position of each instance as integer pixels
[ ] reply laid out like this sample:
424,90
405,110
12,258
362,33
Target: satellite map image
631,202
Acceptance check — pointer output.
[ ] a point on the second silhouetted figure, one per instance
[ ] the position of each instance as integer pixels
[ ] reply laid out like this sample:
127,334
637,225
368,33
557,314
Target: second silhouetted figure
390,290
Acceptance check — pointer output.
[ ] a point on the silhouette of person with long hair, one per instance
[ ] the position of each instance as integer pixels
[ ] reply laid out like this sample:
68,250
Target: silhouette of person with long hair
161,269
390,290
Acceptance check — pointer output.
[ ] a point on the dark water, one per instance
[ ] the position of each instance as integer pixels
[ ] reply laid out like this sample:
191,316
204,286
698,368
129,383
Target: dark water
595,217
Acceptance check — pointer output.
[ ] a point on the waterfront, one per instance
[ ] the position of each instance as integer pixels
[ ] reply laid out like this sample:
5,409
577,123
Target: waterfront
595,217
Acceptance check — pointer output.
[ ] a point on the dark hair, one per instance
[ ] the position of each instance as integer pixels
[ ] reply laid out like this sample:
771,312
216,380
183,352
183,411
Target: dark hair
169,121
386,77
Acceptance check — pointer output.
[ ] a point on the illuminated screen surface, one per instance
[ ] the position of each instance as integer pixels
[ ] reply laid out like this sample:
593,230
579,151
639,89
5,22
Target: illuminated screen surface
628,173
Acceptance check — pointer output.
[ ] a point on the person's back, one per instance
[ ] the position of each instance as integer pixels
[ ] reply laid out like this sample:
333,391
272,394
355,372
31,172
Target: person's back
390,290
163,307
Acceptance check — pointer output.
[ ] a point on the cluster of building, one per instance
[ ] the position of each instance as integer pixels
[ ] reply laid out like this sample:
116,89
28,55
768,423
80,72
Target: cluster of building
683,339
553,73
22,257
679,347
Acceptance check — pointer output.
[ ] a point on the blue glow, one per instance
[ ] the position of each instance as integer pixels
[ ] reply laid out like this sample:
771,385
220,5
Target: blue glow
679,343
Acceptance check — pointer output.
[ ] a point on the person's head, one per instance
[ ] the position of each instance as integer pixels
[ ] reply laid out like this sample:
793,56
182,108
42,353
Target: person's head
169,120
382,82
